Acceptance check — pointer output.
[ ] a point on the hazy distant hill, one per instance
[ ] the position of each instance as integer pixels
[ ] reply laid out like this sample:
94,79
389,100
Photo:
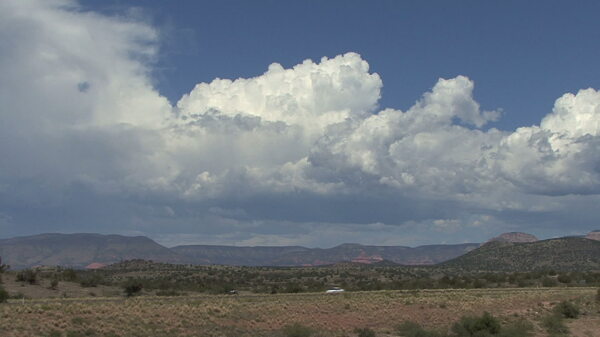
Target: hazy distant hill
80,250
231,255
301,256
565,254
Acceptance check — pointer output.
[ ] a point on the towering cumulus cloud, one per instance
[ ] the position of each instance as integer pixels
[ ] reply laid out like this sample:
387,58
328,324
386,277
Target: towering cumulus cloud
294,156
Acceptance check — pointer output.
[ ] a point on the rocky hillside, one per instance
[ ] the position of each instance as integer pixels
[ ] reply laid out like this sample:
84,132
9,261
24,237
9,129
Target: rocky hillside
564,254
81,250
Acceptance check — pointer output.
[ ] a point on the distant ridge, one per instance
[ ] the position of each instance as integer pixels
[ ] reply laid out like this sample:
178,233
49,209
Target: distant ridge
97,250
507,252
301,256
81,250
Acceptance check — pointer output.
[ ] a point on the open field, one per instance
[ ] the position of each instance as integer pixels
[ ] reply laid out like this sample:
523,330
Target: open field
267,315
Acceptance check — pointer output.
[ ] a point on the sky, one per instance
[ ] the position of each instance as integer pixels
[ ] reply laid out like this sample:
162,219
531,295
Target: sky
307,123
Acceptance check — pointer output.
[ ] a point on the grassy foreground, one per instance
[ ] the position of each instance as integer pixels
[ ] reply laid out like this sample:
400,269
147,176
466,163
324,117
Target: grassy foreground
268,315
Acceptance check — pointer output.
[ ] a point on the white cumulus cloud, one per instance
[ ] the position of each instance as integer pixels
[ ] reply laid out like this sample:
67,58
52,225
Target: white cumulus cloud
292,156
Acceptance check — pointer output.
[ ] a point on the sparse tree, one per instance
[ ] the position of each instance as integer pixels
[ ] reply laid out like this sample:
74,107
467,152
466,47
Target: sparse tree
28,276
54,284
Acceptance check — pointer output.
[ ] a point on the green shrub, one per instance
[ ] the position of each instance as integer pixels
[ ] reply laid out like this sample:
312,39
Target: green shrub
3,295
549,282
567,309
297,330
555,325
293,288
564,278
412,329
132,287
485,325
365,332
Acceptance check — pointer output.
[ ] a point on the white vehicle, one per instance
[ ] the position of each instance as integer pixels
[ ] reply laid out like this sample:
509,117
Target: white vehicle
334,290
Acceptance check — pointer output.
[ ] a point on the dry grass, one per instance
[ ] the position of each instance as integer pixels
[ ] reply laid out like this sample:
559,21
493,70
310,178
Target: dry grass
266,315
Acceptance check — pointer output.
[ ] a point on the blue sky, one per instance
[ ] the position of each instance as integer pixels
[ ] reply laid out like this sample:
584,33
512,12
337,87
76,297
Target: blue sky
300,122
521,54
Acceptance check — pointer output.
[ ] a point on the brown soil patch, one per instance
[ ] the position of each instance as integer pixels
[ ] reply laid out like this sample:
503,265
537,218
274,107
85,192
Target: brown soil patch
585,327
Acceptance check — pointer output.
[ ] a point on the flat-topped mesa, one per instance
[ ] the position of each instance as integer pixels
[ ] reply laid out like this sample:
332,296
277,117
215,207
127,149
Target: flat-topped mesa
514,237
593,235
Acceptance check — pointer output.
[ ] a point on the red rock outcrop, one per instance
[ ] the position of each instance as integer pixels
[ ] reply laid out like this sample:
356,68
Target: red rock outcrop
594,235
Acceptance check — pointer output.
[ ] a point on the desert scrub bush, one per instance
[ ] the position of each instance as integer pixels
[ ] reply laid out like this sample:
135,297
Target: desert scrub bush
555,325
412,329
564,278
297,330
567,309
3,295
90,281
521,328
28,276
549,282
69,275
365,332
486,325
54,284
132,288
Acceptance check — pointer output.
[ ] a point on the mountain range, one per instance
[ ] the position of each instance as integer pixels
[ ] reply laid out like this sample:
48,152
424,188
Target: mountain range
97,250
500,253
